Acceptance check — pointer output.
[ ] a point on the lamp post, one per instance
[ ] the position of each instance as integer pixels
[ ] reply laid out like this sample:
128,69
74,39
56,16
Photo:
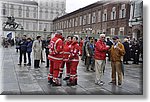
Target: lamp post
22,31
45,33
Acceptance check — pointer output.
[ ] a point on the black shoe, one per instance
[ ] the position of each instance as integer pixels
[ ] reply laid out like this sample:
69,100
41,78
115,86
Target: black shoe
119,83
25,64
42,61
60,76
71,84
28,64
19,64
92,69
87,70
46,66
50,81
54,84
112,83
66,78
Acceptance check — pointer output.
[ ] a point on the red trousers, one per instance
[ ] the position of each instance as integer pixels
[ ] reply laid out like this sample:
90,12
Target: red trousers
54,69
67,68
73,70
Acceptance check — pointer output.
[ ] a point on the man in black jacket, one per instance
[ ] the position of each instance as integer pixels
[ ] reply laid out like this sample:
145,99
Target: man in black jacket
23,49
47,51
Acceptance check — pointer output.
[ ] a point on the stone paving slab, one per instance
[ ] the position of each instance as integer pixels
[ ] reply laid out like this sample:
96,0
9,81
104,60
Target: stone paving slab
26,80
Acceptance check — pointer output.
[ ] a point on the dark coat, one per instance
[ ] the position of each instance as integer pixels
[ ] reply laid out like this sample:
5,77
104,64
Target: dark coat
23,45
29,47
127,50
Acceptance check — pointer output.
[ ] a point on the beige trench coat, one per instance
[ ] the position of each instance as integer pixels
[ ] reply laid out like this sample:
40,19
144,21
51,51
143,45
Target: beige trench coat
37,49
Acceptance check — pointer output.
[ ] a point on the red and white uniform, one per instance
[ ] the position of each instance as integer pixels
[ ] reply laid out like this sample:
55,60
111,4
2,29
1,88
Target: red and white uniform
75,50
55,57
66,53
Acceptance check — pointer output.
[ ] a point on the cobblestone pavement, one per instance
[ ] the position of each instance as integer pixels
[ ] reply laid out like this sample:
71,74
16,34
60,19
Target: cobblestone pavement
25,80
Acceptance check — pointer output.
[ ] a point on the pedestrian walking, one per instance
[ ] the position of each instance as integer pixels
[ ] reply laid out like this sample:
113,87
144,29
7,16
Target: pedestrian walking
116,52
56,58
23,49
37,49
29,50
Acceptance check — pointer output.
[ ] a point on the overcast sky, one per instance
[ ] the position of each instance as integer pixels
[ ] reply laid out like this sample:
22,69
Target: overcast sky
72,5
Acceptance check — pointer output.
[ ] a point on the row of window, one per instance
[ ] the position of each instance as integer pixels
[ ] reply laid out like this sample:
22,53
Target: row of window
111,31
91,18
53,4
29,14
19,13
33,26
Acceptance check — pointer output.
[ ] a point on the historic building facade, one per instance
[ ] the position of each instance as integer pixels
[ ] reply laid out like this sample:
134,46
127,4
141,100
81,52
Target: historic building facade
136,18
109,17
35,16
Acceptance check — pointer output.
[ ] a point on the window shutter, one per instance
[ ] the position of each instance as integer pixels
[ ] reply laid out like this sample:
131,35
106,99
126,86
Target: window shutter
111,15
124,13
103,18
115,15
120,13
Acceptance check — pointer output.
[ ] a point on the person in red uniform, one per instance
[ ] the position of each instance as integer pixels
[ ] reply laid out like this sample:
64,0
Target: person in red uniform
66,53
75,50
81,44
56,58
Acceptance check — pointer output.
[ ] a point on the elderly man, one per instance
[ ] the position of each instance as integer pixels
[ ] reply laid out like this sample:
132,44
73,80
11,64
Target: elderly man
100,57
116,52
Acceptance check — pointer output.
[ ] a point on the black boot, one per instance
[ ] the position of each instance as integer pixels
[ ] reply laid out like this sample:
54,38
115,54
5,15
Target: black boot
56,82
50,81
87,68
66,78
35,64
60,76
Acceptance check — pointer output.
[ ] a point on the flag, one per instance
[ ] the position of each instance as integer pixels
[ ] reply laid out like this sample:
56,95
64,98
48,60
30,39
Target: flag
9,35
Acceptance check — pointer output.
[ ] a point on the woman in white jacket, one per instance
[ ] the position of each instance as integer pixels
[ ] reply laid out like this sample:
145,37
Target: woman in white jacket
37,49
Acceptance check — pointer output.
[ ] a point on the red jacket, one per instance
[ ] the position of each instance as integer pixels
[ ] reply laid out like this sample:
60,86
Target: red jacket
81,45
100,50
75,50
66,50
56,48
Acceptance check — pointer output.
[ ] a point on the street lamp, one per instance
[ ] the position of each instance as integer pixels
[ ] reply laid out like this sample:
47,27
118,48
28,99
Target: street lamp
45,32
22,30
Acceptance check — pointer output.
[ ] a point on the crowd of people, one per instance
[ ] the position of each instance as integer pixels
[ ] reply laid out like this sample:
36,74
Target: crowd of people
60,51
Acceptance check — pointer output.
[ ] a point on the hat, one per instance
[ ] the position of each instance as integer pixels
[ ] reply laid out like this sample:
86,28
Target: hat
29,38
125,40
115,38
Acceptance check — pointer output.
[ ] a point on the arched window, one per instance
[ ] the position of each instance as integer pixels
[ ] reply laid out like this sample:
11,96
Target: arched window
113,13
105,15
20,11
4,9
27,11
122,13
